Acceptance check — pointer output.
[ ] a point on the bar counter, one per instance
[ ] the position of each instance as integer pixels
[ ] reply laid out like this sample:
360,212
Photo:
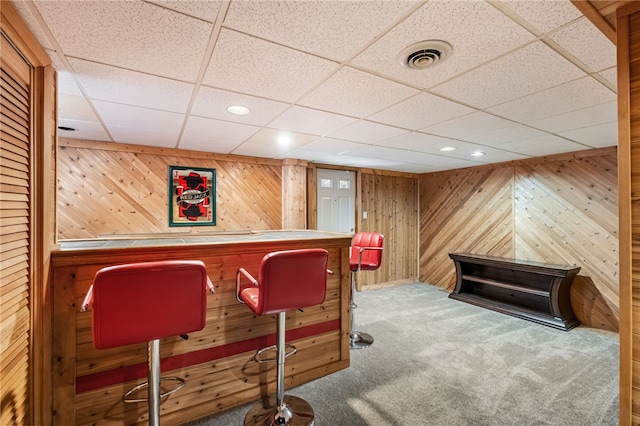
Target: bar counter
217,362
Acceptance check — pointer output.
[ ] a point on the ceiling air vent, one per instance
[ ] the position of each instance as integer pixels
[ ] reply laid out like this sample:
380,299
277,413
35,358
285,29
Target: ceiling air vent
425,54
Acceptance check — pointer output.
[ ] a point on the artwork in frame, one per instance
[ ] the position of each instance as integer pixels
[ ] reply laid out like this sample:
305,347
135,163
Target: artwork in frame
192,195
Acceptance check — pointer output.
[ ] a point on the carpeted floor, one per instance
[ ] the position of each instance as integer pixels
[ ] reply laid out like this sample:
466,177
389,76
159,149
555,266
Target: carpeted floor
442,362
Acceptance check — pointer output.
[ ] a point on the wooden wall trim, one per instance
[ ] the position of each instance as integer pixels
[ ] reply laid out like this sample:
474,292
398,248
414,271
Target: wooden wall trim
629,8
21,36
625,222
596,18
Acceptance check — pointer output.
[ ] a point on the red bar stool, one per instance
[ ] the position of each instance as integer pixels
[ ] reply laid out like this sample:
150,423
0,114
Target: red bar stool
144,302
366,255
287,280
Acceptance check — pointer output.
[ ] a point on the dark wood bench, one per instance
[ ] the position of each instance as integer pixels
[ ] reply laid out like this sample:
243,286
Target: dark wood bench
534,291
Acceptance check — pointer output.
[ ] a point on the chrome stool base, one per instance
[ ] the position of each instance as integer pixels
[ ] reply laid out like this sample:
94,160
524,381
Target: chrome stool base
294,412
360,340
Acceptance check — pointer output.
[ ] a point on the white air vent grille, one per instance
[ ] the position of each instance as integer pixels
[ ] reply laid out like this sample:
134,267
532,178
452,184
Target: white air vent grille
425,54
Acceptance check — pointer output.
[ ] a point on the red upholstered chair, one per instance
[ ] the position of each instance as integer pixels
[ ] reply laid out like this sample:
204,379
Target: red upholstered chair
287,280
144,302
366,255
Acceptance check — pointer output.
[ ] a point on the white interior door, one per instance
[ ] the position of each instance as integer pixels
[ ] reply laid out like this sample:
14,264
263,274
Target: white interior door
336,201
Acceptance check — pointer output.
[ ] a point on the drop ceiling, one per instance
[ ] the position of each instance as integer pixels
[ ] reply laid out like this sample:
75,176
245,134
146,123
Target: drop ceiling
323,80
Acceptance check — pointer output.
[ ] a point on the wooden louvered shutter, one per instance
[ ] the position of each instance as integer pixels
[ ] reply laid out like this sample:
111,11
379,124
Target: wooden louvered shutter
15,185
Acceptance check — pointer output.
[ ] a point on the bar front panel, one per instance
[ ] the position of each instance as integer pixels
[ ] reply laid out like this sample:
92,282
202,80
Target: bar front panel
217,362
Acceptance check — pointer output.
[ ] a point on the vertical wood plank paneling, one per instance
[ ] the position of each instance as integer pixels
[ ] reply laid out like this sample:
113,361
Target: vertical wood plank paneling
391,203
294,194
109,191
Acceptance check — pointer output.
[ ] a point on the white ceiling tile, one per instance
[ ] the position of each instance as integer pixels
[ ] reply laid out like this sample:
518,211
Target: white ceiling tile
88,130
260,150
76,108
599,136
213,103
611,75
514,132
201,143
205,134
284,140
586,42
544,15
416,141
272,56
393,154
125,118
331,29
207,10
205,129
331,146
480,88
304,154
587,117
305,120
544,145
139,136
67,84
421,111
493,34
491,155
247,64
577,94
358,161
356,93
111,84
367,132
471,124
134,35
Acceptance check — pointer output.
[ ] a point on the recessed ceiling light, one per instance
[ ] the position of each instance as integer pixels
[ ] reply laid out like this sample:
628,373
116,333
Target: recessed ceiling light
238,110
284,140
477,154
448,148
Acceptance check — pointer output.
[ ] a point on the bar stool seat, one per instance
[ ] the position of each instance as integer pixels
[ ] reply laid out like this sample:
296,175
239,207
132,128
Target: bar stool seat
142,303
366,255
287,280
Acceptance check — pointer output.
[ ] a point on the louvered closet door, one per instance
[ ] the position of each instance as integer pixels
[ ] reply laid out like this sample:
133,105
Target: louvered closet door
14,236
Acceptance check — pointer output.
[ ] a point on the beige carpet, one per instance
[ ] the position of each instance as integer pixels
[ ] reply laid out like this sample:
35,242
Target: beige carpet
442,362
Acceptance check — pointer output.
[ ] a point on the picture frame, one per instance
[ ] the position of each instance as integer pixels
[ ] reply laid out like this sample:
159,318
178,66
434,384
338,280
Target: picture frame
192,196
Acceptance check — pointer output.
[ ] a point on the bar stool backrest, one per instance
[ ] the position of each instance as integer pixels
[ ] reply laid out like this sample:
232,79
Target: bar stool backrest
292,279
141,302
371,259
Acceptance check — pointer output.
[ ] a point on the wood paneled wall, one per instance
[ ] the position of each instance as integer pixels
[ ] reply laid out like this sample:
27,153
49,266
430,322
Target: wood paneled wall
560,209
628,42
391,203
106,189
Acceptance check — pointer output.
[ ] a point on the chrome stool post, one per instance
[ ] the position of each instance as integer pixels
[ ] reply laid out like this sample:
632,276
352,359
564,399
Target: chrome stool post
366,254
357,339
276,291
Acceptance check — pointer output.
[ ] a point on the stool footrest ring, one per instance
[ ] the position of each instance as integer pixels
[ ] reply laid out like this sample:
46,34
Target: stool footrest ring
126,397
259,360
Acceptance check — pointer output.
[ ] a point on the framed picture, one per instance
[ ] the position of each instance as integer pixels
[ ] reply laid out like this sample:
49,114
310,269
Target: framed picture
192,196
